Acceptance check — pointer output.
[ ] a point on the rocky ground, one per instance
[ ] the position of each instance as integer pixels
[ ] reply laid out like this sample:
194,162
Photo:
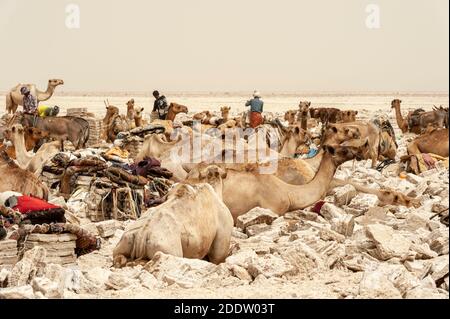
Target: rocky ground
353,249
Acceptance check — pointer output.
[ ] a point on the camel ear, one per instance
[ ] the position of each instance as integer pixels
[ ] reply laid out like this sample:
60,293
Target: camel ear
356,112
334,129
399,101
30,130
309,103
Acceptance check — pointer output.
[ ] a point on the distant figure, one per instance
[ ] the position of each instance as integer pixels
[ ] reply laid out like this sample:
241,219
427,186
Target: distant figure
256,109
160,106
44,110
29,101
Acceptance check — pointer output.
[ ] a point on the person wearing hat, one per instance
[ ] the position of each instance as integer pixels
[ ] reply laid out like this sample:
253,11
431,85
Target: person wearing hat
160,105
256,109
29,101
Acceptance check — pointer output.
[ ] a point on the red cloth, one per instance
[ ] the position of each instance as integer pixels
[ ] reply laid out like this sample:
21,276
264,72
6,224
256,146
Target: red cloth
256,119
27,204
317,207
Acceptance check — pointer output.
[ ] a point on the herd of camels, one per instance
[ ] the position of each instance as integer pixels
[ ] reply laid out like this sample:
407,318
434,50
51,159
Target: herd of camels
199,212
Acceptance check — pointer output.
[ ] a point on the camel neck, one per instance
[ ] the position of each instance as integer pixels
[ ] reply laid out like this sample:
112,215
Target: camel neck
21,152
308,194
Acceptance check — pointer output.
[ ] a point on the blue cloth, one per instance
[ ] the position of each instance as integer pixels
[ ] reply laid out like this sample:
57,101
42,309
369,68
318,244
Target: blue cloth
312,152
256,105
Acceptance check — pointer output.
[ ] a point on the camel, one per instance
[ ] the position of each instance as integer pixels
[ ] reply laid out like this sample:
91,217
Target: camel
225,110
175,109
138,116
14,98
418,120
71,128
293,138
32,163
192,223
32,137
303,114
243,191
326,114
130,110
435,142
348,116
290,116
16,179
401,122
355,132
438,118
114,123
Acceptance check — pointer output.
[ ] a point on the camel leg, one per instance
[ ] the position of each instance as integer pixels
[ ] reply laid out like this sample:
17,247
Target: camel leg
413,149
220,247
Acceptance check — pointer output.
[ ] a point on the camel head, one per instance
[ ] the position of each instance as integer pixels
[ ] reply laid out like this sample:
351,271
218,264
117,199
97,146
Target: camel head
289,116
304,107
36,134
313,113
55,82
335,135
111,110
178,108
225,110
396,103
395,198
348,116
138,111
342,153
130,104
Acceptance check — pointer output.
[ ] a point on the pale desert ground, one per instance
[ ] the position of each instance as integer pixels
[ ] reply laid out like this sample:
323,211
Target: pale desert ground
325,265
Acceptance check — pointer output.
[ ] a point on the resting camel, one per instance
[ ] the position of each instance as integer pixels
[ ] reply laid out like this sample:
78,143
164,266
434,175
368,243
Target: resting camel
438,118
435,142
138,114
32,137
16,179
175,109
243,191
326,114
355,132
192,223
348,116
32,163
14,98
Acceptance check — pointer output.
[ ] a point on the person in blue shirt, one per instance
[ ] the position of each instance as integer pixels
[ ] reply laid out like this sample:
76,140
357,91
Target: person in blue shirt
256,109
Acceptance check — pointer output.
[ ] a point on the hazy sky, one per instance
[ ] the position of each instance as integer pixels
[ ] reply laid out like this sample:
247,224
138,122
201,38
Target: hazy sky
232,45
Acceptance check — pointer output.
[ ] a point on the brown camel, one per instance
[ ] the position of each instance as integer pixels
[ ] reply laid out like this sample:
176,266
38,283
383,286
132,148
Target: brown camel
348,116
303,114
175,109
14,98
130,110
354,134
225,110
192,223
435,142
138,116
62,128
32,137
438,118
326,114
114,123
16,179
243,191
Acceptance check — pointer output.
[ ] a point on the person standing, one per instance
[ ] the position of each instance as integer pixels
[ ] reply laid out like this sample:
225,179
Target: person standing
160,105
256,109
29,101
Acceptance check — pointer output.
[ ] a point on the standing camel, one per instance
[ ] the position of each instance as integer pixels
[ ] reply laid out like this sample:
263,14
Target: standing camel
14,98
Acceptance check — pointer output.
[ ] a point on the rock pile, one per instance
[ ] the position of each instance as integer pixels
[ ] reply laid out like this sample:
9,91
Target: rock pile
60,248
